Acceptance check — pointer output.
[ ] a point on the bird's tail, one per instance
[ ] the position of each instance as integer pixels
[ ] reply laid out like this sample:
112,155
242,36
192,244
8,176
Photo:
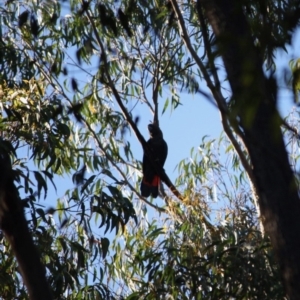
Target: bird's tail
150,188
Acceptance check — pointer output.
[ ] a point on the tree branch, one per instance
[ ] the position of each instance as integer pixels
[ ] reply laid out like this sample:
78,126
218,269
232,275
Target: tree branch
274,180
214,90
160,209
160,171
14,226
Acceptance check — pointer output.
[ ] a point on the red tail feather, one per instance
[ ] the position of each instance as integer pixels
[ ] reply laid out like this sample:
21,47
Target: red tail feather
155,182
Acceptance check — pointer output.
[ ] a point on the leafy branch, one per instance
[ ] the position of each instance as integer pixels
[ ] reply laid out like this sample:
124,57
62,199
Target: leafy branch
125,113
214,88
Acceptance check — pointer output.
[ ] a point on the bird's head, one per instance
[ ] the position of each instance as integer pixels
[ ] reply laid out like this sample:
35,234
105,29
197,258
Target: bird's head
154,130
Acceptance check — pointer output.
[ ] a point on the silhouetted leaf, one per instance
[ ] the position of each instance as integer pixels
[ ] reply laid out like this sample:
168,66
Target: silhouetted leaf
84,7
23,17
75,110
34,26
74,85
124,22
104,246
78,177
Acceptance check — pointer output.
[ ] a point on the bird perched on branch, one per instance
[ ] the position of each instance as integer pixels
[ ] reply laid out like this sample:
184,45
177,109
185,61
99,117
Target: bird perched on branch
158,151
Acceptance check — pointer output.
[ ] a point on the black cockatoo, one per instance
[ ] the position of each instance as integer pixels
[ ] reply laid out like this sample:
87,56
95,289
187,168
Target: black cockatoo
159,150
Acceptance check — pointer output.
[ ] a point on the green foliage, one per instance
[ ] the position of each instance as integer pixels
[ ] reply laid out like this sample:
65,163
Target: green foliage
295,80
186,255
61,67
272,24
196,260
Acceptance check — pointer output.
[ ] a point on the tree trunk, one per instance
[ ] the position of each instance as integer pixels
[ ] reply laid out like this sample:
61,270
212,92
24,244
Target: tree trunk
14,226
254,110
